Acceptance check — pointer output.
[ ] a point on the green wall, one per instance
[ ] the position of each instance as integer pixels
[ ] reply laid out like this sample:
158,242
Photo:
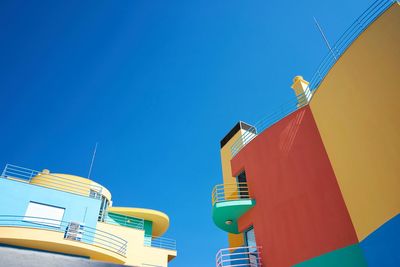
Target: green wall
350,256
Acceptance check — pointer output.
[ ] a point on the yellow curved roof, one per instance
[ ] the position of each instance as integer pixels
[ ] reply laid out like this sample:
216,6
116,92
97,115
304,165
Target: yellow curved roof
160,220
69,183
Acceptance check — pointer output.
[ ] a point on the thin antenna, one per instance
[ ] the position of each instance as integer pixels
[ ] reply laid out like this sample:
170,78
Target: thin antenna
91,164
325,39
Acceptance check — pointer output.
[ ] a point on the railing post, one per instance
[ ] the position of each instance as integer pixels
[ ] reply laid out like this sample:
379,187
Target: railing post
30,177
4,171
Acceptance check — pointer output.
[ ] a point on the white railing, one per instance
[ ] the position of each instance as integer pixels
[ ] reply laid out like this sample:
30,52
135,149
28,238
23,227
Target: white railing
160,242
79,232
239,257
48,180
347,38
233,191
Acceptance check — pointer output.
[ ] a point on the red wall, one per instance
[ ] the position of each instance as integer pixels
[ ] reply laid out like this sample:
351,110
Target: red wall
299,212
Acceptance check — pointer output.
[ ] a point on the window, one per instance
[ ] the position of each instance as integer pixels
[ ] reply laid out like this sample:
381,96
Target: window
103,208
250,239
94,194
44,214
242,185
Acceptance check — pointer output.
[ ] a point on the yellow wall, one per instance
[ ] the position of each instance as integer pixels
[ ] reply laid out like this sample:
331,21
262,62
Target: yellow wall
235,240
42,239
54,241
138,254
226,157
69,183
357,111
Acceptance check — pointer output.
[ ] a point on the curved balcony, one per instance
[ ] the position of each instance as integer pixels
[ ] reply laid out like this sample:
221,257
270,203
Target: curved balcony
160,220
160,242
239,256
230,202
123,220
61,182
61,237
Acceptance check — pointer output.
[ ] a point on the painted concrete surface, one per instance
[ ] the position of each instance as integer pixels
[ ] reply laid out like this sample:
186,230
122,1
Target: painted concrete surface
381,248
15,197
357,109
350,256
299,212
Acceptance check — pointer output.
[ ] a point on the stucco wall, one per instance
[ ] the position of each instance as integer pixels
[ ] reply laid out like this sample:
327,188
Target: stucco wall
137,253
299,212
15,197
357,112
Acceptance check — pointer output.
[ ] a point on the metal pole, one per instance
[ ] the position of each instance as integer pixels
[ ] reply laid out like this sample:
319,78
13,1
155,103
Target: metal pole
324,37
91,164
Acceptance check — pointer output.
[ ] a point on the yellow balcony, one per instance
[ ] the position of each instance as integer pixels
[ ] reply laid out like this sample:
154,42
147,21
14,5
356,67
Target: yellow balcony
62,237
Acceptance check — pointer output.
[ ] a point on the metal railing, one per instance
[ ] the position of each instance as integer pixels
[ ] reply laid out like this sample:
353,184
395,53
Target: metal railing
233,191
123,220
159,242
346,39
48,180
84,234
279,113
239,256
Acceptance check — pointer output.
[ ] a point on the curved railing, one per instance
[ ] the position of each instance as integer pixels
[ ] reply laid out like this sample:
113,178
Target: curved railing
72,231
159,242
239,256
233,191
347,38
338,49
48,180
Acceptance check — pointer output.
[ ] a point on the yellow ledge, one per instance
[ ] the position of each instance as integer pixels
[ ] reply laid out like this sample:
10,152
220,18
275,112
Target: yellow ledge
160,220
54,241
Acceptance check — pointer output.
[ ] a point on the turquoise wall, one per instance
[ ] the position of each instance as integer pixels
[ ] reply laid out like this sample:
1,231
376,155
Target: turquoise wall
15,197
148,230
351,256
126,221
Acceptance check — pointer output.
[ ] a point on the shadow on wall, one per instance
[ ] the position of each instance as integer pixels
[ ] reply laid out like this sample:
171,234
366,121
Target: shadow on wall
288,135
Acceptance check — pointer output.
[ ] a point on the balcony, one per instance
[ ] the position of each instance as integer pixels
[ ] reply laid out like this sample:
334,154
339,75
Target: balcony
160,242
66,183
158,226
230,202
61,237
239,257
123,220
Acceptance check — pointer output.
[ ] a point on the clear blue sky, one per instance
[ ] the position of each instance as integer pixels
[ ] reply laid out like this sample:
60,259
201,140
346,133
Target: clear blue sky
157,84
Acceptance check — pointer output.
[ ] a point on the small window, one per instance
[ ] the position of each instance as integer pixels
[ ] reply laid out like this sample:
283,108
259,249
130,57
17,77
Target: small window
94,194
44,214
253,252
242,185
250,238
